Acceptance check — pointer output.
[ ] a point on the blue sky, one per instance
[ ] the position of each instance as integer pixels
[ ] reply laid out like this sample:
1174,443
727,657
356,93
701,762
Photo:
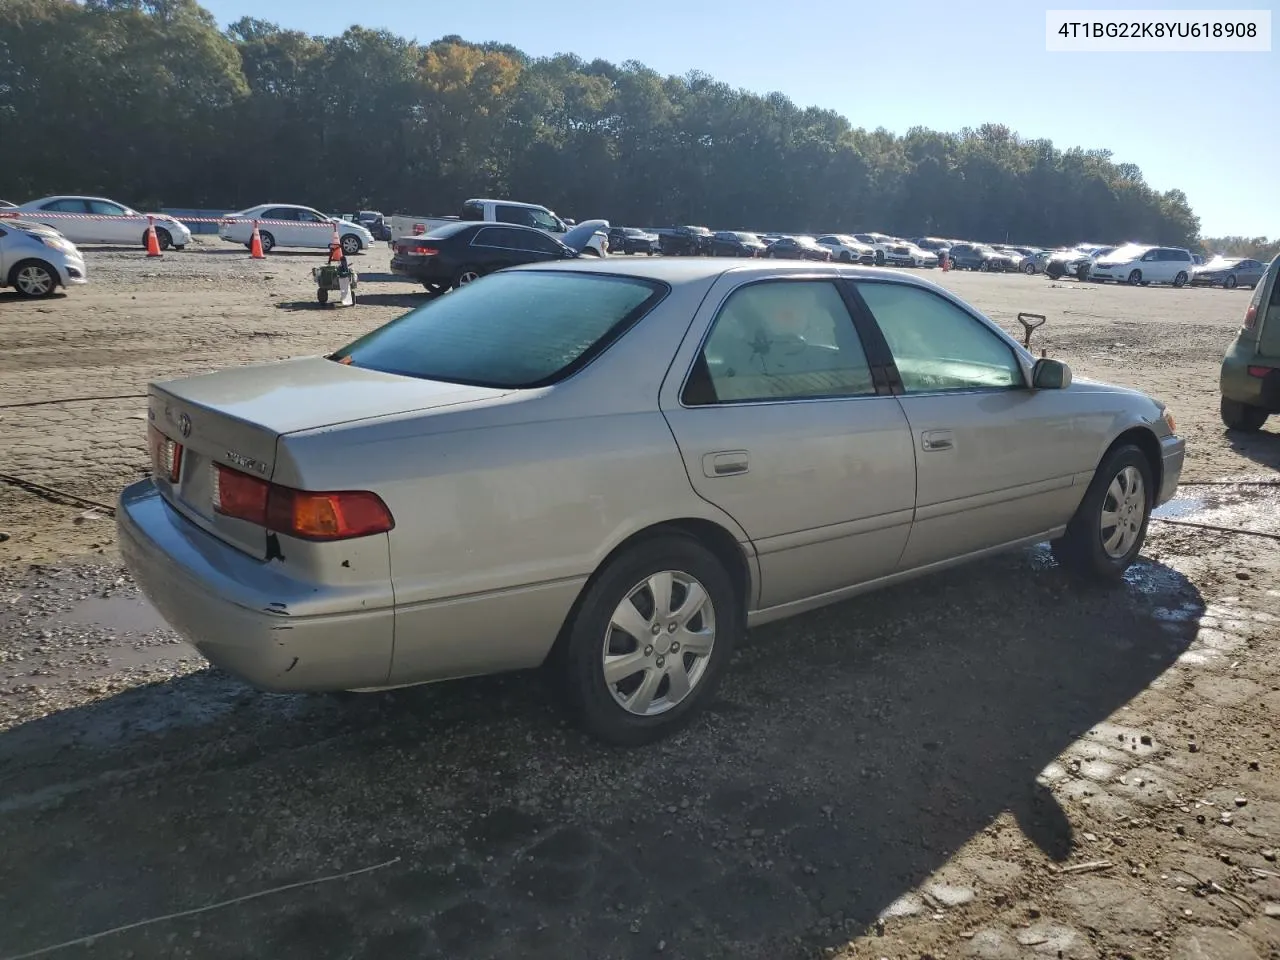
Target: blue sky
1208,123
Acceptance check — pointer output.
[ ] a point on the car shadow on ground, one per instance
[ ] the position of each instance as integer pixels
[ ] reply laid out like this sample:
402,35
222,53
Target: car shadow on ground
1262,447
848,756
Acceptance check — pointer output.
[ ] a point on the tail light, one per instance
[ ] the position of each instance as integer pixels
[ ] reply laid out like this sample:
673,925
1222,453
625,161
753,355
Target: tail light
305,514
166,455
418,250
1259,371
1251,316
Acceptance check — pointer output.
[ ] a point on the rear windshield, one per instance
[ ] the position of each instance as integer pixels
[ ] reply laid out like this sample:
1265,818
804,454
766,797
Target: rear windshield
521,329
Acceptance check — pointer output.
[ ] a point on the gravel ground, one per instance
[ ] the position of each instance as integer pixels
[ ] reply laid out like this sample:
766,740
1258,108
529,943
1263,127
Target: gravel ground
993,762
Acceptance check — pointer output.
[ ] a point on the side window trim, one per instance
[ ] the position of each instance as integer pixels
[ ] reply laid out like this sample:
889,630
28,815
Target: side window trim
698,361
891,366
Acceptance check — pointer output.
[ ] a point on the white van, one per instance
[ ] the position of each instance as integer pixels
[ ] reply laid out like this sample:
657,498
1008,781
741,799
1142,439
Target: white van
1139,264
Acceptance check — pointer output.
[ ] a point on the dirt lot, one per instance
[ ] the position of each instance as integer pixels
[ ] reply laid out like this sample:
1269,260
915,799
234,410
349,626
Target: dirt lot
991,763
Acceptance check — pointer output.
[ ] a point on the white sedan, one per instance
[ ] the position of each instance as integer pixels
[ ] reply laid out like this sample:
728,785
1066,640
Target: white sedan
290,225
105,221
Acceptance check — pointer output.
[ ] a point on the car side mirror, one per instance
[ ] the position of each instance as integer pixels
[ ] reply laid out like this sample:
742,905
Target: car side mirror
1050,375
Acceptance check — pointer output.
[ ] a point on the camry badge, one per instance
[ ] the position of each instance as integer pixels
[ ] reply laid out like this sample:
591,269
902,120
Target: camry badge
184,425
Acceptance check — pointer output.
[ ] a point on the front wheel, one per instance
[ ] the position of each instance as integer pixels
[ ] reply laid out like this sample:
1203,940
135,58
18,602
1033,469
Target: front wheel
1109,527
1244,417
653,634
1135,277
351,245
33,278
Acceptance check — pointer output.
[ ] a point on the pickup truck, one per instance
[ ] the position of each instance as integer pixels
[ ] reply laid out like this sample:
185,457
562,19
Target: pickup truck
493,211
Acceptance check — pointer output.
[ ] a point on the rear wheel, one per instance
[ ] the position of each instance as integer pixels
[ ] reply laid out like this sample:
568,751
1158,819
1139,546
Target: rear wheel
1228,283
464,276
1029,269
1109,527
1244,417
1180,279
268,241
652,635
33,278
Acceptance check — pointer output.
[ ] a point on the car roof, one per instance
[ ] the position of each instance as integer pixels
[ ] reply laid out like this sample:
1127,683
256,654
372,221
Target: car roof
508,203
74,196
681,270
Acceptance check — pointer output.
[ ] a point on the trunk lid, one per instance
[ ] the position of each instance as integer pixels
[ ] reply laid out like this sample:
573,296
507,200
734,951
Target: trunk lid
235,418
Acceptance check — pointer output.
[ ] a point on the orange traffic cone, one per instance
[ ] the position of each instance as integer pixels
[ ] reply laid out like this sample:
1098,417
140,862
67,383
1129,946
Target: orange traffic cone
153,245
255,244
335,246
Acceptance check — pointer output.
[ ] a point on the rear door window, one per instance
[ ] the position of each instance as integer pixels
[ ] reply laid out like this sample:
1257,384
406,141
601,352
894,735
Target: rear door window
508,330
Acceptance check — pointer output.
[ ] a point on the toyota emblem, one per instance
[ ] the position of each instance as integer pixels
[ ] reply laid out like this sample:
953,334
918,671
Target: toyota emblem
184,424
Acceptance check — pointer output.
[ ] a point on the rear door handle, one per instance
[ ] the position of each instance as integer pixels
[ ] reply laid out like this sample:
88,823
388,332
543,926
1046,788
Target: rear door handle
932,440
724,463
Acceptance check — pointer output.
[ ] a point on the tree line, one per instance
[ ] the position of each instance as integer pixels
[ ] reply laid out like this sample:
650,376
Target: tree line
147,101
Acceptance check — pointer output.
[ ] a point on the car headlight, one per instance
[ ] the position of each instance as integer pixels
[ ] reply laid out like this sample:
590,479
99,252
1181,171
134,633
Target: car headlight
57,243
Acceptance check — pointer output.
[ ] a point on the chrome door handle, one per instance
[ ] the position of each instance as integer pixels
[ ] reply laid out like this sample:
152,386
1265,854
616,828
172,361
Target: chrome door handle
724,463
932,440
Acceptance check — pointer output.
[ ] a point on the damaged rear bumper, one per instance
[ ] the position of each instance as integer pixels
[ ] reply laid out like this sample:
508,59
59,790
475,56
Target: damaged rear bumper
248,616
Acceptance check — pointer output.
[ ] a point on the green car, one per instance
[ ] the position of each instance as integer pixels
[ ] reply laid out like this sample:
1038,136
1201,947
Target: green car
1250,378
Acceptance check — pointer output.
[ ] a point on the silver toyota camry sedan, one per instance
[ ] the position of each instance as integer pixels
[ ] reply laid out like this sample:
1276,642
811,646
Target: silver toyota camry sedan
615,469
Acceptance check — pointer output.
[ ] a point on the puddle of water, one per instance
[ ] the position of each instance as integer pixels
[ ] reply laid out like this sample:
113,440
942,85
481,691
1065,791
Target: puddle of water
120,614
1179,507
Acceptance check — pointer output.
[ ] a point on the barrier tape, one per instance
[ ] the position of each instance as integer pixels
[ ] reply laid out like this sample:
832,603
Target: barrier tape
41,215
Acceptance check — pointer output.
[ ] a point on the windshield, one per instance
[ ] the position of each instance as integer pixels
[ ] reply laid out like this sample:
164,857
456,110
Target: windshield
513,330
1130,251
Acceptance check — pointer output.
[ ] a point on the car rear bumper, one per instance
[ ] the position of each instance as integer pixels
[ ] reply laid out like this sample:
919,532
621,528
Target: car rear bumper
421,269
246,615
1173,451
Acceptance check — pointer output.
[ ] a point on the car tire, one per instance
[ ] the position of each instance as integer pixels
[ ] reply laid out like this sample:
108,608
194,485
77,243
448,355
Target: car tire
982,267
179,247
434,288
267,240
33,279
599,700
466,275
1029,269
879,258
1229,283
1244,417
163,238
351,244
1134,278
1086,548
1181,279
